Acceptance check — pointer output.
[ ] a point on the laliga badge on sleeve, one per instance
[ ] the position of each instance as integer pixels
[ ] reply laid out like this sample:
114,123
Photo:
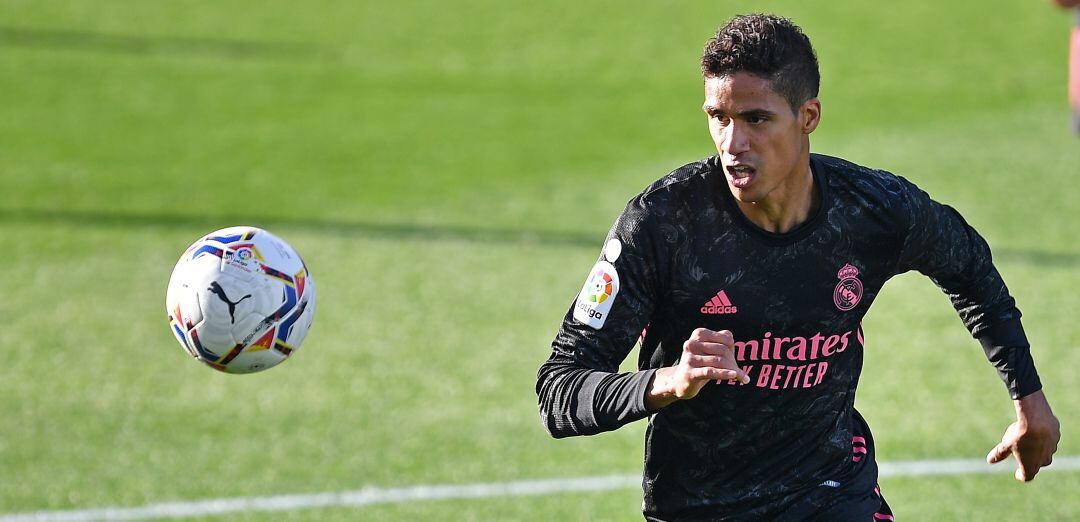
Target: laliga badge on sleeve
594,302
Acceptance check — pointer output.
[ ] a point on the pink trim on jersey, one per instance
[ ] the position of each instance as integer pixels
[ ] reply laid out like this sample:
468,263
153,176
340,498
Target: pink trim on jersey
879,515
858,445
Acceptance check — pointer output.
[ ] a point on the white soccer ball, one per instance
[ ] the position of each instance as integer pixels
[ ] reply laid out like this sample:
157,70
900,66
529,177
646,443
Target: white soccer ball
240,300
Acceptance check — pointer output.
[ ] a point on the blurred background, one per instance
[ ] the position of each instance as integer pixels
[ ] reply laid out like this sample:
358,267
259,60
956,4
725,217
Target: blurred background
448,170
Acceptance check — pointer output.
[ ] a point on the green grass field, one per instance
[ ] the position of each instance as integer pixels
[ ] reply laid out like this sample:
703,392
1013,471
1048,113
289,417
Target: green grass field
448,173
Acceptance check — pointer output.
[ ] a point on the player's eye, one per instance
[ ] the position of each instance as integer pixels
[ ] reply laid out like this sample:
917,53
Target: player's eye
721,120
756,119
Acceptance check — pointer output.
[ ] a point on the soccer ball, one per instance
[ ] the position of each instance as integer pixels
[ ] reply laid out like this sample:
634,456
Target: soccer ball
240,300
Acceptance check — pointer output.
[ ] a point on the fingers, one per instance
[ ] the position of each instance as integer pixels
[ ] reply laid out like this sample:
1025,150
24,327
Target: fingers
736,374
692,379
722,362
714,374
705,348
708,342
1033,445
708,348
1025,474
1031,454
1029,465
707,356
999,453
707,360
712,336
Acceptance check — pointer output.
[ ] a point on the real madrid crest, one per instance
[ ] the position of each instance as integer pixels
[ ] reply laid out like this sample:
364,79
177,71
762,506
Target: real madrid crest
849,290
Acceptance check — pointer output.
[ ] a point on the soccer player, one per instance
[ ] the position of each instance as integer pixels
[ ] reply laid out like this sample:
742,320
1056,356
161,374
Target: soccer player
747,275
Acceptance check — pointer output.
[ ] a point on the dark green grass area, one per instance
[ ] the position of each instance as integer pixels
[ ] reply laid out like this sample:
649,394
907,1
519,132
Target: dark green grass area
448,173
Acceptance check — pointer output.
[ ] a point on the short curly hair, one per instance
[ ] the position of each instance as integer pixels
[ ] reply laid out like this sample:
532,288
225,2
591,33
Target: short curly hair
768,46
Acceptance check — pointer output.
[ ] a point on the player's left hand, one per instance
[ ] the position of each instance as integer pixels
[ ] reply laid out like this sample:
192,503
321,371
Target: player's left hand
1032,439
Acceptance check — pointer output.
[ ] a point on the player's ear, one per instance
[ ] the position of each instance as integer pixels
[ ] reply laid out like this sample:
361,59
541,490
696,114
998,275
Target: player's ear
810,115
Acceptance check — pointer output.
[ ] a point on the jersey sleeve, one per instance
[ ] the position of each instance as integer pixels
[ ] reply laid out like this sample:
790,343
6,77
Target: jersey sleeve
579,388
940,244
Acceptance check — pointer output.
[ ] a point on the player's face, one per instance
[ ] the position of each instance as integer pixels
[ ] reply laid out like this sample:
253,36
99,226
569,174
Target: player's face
764,146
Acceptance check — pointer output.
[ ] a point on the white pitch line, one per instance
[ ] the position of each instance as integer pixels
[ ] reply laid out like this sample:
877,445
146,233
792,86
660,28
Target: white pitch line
922,468
374,495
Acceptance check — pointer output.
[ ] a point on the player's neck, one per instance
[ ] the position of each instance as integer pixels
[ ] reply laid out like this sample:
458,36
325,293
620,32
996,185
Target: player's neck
787,206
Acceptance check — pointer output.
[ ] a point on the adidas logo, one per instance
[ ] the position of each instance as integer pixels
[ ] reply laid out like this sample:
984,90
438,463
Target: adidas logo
719,304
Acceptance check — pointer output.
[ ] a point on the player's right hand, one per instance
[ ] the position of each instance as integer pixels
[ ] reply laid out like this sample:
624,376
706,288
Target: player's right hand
706,356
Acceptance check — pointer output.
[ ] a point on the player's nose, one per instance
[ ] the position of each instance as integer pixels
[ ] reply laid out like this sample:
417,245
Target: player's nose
735,139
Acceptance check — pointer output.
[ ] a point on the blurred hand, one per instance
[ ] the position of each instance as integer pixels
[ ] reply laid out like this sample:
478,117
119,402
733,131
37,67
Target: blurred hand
707,356
1032,439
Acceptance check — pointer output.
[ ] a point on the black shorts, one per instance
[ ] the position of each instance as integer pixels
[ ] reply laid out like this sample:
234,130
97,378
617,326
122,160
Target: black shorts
822,505
870,507
867,507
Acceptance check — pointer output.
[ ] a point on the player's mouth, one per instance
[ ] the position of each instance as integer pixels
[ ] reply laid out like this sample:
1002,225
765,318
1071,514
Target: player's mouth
740,175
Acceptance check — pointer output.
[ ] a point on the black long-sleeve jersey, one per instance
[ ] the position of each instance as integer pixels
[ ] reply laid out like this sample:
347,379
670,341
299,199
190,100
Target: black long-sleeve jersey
682,256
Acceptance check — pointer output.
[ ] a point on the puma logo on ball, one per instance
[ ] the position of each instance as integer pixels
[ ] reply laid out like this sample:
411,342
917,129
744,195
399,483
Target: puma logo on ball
220,292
